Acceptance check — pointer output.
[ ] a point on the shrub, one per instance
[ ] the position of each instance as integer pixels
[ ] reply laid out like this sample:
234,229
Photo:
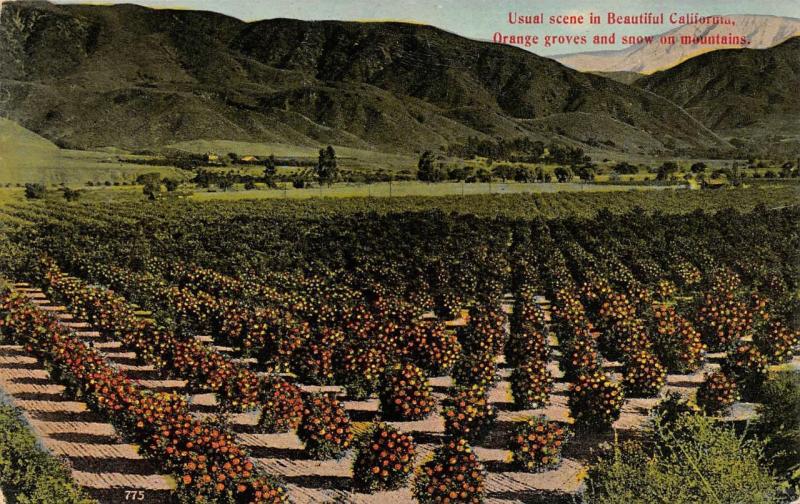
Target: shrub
362,368
384,459
677,343
686,274
527,313
28,474
447,304
536,444
579,357
151,183
171,184
612,307
405,393
325,428
623,338
665,290
778,425
432,348
668,413
35,191
722,320
526,343
778,342
453,475
282,405
263,489
644,375
240,391
313,362
468,414
686,462
595,401
71,194
479,369
748,367
717,393
531,384
672,407
485,332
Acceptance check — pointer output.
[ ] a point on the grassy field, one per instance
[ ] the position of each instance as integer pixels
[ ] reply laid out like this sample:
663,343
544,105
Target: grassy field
339,190
513,205
27,157
10,195
349,158
399,189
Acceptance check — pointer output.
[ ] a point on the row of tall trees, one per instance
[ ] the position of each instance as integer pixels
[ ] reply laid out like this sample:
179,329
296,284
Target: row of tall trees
326,170
429,170
519,150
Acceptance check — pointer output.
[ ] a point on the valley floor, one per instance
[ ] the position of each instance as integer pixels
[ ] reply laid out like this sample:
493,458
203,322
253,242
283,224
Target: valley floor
414,188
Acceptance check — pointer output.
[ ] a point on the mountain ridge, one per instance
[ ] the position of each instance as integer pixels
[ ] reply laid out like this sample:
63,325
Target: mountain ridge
739,92
134,77
735,87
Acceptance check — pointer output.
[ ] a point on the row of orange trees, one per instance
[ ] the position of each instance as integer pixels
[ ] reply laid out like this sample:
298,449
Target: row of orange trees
210,466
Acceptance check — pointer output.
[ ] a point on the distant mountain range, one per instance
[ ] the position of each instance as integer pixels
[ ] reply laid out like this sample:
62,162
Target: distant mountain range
762,31
88,76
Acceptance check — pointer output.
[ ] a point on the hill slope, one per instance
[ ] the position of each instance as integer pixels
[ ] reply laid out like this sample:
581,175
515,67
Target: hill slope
623,77
742,92
17,143
126,76
27,157
762,31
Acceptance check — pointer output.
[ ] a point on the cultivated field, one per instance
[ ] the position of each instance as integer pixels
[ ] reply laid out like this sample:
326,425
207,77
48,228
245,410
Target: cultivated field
174,354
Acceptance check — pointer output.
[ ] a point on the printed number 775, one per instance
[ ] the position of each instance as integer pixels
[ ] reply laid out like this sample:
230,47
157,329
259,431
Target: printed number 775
134,495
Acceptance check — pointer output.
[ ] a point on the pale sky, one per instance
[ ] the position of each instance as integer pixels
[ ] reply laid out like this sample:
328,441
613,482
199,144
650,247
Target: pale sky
480,19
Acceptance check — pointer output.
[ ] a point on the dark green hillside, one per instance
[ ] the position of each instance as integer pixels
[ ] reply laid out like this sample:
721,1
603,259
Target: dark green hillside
738,88
126,76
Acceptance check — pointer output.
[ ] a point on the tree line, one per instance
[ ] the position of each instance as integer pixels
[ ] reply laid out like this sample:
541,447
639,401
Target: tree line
518,150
